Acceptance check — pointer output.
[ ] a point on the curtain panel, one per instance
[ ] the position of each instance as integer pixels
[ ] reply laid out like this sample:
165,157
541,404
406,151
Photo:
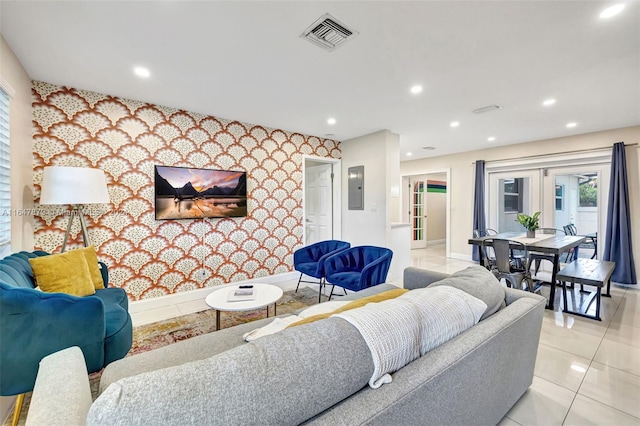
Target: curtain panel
479,216
617,247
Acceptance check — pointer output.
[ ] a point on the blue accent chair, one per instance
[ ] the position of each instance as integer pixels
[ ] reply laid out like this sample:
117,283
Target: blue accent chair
34,324
358,268
310,260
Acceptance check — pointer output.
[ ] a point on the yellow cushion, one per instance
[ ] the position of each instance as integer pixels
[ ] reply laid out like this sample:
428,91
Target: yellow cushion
63,273
385,295
94,268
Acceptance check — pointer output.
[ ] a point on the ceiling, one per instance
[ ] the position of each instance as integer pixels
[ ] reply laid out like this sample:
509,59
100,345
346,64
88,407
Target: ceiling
245,61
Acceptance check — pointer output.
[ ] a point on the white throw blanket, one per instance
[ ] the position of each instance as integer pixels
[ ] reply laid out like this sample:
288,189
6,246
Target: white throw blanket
398,331
392,332
279,324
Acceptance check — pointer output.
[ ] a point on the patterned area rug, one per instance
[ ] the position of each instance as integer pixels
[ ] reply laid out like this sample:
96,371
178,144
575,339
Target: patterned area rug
162,333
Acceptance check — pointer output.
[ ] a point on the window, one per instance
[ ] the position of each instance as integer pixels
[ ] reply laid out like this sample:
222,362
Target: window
559,197
588,188
5,178
513,195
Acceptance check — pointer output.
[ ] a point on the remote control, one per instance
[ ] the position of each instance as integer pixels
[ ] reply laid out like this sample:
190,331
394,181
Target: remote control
245,286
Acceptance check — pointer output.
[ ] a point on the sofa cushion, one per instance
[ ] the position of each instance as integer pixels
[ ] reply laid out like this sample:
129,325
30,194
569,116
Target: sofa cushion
480,283
256,383
63,273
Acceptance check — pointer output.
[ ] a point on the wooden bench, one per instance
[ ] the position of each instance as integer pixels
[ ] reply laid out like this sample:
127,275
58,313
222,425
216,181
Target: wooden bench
588,272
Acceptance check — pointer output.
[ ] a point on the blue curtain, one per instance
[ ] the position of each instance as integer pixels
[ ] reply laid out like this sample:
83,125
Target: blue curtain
617,245
479,219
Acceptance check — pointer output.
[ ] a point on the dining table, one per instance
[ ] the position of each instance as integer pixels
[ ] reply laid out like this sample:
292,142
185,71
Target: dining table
554,244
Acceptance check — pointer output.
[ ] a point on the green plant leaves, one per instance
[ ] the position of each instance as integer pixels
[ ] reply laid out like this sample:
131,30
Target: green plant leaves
531,223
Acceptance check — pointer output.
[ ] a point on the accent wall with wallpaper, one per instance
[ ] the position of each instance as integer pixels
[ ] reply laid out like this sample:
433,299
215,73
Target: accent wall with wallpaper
125,138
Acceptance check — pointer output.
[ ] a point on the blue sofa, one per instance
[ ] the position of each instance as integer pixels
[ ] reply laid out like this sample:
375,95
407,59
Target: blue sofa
34,324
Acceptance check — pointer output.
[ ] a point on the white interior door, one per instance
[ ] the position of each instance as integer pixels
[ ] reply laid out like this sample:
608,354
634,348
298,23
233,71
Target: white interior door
318,203
511,193
418,212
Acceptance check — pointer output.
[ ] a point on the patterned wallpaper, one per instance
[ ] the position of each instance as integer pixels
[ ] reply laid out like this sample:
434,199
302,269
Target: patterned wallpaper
125,138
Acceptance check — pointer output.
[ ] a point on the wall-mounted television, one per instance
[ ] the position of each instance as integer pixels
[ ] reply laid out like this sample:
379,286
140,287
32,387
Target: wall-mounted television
190,193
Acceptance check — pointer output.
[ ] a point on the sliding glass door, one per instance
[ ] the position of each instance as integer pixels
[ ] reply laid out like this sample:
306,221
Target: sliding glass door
578,196
511,193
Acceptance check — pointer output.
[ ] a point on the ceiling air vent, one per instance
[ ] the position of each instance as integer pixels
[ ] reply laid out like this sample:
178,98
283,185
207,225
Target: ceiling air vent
328,33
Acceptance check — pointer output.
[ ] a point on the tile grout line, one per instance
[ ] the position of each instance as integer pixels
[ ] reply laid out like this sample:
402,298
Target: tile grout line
592,361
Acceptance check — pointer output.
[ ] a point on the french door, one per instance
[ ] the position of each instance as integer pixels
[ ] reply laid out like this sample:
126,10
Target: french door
418,209
511,193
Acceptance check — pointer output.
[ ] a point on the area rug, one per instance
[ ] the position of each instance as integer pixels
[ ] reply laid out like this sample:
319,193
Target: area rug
162,333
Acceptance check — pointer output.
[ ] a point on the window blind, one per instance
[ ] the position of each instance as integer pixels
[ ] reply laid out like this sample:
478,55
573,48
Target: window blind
5,176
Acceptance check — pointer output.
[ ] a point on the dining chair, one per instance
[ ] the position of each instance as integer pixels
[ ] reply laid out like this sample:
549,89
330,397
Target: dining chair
487,252
508,267
591,243
537,258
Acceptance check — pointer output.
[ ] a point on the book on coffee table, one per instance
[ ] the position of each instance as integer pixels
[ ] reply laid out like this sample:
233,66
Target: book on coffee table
241,294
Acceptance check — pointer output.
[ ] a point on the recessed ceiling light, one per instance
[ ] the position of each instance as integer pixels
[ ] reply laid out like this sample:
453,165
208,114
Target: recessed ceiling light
549,102
611,11
572,124
142,72
416,89
331,121
491,138
409,154
454,124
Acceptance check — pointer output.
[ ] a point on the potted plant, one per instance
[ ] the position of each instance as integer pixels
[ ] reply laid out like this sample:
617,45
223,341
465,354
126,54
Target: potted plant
531,223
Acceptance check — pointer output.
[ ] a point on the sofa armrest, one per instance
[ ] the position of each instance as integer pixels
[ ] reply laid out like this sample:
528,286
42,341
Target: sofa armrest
512,294
62,395
420,278
35,324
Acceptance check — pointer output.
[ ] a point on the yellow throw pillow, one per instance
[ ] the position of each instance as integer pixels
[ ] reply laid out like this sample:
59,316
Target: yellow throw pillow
63,273
94,268
385,295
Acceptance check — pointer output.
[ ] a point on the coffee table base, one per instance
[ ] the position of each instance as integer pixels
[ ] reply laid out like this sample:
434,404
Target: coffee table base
218,315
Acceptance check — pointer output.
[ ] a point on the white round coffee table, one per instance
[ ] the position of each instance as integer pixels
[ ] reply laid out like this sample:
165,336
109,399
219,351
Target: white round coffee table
265,295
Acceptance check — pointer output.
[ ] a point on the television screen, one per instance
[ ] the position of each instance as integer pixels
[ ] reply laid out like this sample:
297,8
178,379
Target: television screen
188,193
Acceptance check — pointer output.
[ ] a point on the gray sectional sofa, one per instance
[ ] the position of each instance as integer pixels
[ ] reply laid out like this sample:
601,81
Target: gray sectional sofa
314,374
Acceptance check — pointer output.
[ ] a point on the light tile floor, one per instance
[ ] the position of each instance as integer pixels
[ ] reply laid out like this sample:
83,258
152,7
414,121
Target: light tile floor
587,372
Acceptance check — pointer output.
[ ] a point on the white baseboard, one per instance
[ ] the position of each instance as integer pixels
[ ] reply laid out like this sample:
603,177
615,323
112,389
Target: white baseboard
281,280
435,242
459,256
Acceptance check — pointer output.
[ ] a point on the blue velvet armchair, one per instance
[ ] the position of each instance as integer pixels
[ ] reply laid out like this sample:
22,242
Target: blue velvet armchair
310,260
358,268
34,324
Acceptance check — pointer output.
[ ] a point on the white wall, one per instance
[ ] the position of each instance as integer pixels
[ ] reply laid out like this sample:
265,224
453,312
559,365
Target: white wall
436,211
368,226
462,176
13,75
379,153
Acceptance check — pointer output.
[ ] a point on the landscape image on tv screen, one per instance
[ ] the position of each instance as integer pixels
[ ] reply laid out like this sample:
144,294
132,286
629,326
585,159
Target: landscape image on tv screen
187,193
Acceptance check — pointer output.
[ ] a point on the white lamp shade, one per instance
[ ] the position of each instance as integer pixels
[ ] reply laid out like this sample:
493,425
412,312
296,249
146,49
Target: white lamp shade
73,185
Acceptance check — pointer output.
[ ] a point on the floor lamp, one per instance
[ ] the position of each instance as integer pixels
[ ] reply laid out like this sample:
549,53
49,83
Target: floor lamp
75,186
